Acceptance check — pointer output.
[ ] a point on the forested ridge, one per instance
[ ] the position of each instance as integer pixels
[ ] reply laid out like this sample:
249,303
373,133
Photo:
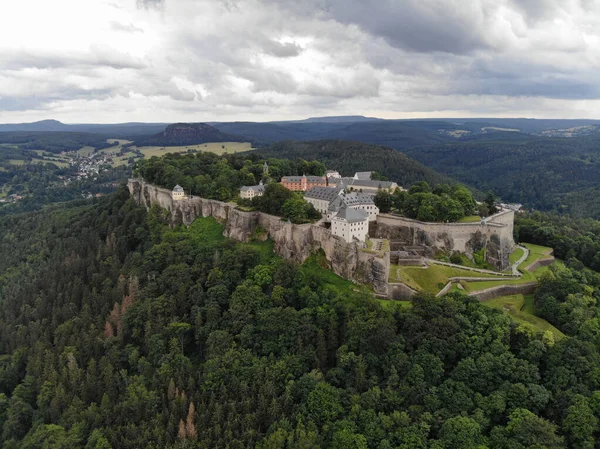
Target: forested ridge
349,157
543,173
119,332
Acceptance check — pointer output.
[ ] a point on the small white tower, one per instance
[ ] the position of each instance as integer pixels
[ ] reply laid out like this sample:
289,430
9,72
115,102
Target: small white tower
177,193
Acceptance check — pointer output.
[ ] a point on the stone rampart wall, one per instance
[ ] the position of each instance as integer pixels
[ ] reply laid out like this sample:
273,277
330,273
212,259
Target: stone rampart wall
495,235
291,241
504,290
540,263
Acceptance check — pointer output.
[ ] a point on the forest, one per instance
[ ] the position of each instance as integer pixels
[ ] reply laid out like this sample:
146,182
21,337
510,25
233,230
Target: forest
117,331
348,157
552,174
220,177
440,203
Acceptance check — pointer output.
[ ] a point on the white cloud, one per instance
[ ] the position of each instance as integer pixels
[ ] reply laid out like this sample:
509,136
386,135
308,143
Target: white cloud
153,60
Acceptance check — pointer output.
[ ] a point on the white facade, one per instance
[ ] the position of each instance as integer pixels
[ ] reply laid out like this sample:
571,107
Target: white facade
177,193
351,225
249,192
333,174
320,205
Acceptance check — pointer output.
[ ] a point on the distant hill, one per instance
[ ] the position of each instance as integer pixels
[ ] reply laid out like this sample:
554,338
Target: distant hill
180,134
121,130
540,172
338,119
53,141
349,157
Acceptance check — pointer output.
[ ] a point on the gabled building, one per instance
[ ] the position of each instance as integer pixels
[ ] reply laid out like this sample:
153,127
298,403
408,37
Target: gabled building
363,175
303,183
249,192
366,186
321,197
354,200
350,224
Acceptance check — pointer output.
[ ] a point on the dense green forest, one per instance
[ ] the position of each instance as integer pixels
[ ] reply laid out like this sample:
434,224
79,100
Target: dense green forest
569,237
43,184
220,177
542,173
441,203
349,157
120,332
53,142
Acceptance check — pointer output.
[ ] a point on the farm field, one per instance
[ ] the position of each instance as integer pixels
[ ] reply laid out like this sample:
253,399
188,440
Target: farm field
217,148
521,309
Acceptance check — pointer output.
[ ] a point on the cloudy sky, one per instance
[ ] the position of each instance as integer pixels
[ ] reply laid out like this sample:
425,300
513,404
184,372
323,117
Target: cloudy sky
195,60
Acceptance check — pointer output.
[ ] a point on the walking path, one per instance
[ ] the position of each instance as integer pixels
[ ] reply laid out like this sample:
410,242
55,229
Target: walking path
515,266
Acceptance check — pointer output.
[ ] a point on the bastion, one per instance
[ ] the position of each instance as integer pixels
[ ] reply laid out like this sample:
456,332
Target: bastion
494,233
291,241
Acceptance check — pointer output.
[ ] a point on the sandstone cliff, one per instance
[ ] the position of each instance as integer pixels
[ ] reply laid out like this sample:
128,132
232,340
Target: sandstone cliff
291,241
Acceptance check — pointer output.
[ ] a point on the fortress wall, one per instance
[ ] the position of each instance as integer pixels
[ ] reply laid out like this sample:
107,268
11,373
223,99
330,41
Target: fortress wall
505,290
400,292
291,241
496,235
540,263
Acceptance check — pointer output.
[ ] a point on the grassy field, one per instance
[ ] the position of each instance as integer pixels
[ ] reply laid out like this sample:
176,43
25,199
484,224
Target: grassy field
536,252
217,148
521,309
85,151
430,279
16,162
470,219
516,255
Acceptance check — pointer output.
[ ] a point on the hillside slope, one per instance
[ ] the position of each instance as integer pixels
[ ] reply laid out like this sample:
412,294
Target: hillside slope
543,173
188,134
349,157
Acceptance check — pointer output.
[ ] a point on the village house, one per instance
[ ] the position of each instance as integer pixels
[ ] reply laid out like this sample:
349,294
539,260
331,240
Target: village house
350,224
249,192
177,193
303,183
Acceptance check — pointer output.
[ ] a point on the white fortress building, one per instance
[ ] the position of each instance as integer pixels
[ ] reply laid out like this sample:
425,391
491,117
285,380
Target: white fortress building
177,193
350,224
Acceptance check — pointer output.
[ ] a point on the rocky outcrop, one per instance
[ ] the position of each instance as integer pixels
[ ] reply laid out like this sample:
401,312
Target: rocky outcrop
291,241
180,134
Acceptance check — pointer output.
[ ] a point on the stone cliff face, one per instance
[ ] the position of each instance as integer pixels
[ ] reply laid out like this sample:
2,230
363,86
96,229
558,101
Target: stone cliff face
291,241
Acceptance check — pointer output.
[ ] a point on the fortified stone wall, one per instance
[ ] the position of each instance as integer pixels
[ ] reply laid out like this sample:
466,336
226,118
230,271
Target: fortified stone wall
291,241
495,235
505,290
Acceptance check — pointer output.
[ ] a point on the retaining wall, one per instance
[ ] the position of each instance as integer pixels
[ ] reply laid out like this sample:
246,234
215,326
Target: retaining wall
505,290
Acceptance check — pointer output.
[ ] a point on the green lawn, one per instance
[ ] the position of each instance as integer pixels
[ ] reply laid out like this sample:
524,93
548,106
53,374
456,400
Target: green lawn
516,255
431,279
536,252
85,151
470,219
521,309
16,161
